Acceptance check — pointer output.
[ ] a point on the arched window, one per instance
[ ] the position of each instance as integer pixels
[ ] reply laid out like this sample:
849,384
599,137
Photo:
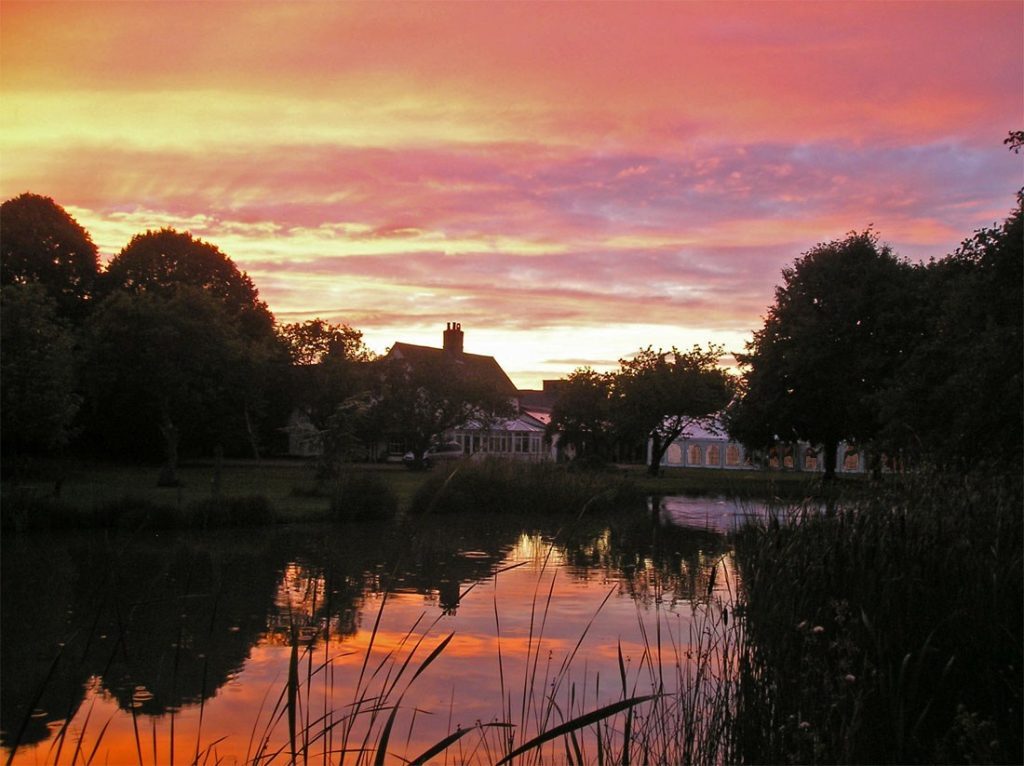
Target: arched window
714,455
732,454
787,457
674,456
851,462
693,455
810,460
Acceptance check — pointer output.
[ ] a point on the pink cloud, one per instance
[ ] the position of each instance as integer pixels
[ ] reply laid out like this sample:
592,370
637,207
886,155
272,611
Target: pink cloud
518,165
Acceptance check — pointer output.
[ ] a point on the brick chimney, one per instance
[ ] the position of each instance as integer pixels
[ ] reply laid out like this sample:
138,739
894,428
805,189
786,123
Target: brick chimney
453,338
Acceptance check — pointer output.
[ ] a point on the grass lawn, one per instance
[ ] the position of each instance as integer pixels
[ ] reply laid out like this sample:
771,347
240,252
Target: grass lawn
289,486
784,485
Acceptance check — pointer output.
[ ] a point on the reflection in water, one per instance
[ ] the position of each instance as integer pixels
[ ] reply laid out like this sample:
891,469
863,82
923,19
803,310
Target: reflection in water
196,629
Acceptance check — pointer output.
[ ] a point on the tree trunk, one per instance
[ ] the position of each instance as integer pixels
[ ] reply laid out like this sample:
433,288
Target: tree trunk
169,472
830,447
657,451
253,440
218,471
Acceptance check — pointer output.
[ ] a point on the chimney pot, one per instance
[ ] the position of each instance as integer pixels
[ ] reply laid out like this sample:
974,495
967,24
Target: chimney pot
453,338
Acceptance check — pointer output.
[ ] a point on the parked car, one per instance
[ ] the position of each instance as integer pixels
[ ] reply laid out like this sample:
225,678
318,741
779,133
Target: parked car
439,453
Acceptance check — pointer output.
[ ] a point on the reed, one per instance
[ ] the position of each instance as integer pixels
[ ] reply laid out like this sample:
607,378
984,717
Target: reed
509,487
885,628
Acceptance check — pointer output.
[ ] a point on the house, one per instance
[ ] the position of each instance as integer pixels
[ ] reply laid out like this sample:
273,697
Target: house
485,368
519,437
706,444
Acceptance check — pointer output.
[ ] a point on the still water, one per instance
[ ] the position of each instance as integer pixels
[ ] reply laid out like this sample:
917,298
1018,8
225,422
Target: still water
163,648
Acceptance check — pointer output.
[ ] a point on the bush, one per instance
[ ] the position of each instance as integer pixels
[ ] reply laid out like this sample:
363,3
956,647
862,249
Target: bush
504,486
361,496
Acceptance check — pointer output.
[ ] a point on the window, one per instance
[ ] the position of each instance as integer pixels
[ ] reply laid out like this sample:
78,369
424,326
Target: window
674,456
787,457
852,460
810,460
714,455
693,455
732,454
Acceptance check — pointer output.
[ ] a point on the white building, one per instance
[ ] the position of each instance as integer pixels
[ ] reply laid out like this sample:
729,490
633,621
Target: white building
705,444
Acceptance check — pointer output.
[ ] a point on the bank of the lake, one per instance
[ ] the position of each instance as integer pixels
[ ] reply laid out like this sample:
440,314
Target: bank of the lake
82,494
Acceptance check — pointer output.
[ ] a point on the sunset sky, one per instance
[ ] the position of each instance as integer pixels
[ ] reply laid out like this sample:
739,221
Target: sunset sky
569,181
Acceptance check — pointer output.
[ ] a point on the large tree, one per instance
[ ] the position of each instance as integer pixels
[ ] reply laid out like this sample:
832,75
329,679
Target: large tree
657,395
40,243
161,262
957,398
164,369
581,417
831,342
37,371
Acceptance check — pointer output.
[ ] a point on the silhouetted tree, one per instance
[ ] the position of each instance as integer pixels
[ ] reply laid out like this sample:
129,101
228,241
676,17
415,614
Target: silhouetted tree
42,244
37,371
159,262
957,398
163,368
830,343
656,395
314,341
582,416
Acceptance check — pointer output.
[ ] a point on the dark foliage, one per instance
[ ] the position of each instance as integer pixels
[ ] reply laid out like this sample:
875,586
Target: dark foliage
501,486
38,372
887,630
831,341
362,496
42,244
956,400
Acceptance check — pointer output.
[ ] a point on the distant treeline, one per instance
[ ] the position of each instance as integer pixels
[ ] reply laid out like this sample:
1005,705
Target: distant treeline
169,350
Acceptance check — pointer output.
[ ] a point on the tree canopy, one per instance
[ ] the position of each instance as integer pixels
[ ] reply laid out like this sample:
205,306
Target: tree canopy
658,394
957,398
162,260
164,369
42,244
38,371
581,415
830,344
316,341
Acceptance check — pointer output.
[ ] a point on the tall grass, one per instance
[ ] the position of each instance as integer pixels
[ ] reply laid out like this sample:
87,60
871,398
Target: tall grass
497,486
887,628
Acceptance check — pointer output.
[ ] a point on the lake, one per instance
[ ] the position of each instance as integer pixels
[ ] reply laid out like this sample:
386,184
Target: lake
236,646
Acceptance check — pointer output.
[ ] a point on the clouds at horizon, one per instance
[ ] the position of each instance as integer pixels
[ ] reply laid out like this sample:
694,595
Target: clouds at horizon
550,172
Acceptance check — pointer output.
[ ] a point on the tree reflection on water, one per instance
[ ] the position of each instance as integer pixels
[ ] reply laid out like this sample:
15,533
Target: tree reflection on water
162,621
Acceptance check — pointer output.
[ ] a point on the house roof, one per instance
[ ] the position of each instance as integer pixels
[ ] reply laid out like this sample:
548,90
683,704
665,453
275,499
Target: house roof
484,367
524,421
